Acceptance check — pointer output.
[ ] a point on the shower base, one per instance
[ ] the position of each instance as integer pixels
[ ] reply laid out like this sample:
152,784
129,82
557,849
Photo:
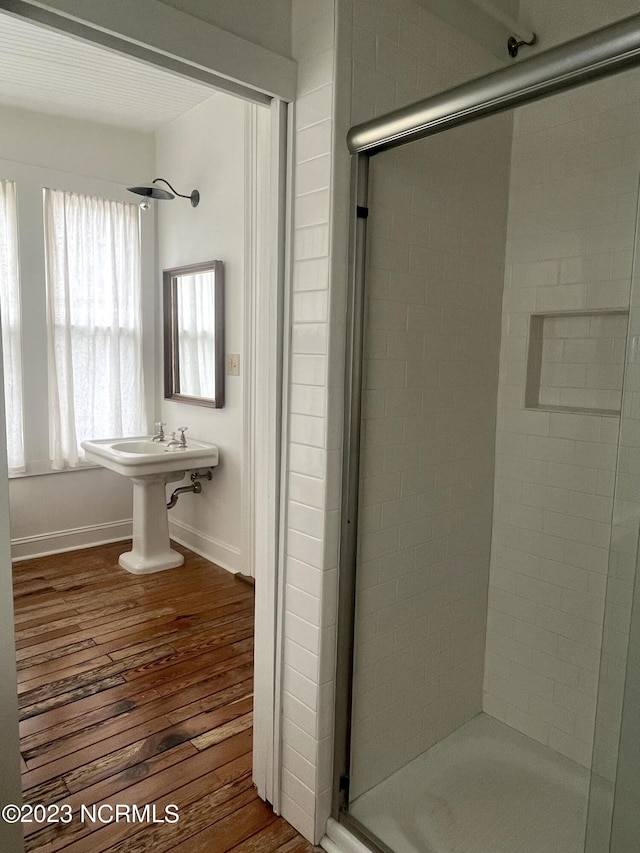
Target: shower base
484,789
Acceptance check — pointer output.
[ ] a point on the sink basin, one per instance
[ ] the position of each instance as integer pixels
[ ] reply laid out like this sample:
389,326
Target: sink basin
141,446
134,457
150,465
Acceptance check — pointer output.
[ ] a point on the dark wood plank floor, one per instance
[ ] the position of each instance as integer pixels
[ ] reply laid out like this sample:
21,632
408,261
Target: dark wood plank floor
137,690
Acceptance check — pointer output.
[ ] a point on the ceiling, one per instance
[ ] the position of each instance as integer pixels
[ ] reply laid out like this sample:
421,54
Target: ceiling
49,72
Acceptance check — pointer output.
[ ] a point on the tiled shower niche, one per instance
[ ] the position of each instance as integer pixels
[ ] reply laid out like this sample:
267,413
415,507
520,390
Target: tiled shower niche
576,361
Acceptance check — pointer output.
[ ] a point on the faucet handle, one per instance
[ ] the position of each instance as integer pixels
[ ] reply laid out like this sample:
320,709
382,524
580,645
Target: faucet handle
183,438
159,428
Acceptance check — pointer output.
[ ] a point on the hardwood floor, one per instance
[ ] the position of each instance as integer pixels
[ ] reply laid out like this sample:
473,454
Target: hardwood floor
137,690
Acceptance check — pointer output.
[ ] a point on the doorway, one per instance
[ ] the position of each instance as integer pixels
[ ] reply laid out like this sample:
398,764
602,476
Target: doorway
261,483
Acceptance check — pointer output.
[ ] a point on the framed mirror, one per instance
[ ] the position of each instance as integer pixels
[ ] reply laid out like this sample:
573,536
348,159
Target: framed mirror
194,334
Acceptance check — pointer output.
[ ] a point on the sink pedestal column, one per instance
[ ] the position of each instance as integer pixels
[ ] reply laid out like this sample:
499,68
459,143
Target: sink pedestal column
151,551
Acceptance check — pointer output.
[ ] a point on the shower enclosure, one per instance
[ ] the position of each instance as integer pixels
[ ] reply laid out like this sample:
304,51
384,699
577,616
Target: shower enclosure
488,684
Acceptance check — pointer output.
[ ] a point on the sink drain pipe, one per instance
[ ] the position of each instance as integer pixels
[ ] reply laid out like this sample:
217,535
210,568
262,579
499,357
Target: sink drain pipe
195,487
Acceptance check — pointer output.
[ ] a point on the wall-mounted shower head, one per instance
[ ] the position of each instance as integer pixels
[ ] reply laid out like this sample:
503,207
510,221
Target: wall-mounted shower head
152,191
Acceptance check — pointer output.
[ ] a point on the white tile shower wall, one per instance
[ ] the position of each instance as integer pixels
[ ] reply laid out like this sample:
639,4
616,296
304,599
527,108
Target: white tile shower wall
621,580
435,275
572,210
311,550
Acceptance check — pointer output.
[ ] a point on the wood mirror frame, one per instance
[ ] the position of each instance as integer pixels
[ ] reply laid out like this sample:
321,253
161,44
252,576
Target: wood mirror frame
174,383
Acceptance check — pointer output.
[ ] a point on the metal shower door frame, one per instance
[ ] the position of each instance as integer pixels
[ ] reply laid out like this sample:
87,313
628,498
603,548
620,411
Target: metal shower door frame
607,51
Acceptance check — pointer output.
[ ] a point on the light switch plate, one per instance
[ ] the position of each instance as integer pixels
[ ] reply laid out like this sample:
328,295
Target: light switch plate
233,364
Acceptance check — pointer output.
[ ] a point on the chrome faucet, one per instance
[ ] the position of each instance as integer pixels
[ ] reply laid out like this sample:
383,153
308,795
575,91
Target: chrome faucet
178,442
159,436
183,438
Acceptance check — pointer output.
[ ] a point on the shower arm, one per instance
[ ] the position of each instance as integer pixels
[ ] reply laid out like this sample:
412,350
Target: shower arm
174,191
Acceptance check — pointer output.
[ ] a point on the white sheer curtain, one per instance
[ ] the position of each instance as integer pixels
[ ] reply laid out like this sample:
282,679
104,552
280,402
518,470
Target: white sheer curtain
11,325
93,322
197,334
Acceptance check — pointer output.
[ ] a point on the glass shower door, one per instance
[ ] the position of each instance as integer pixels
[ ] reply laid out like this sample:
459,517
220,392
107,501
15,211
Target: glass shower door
490,453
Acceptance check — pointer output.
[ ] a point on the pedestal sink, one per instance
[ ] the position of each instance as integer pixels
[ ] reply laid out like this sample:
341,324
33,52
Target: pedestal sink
150,466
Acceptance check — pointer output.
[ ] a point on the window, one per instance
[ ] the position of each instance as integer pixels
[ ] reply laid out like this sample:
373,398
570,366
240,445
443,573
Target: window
92,248
196,312
11,325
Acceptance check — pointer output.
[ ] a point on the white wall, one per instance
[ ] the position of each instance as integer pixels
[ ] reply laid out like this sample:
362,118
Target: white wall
489,24
265,23
75,147
313,455
205,149
435,236
48,512
555,22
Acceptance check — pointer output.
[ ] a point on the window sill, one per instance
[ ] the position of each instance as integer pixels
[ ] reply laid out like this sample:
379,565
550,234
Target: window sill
43,468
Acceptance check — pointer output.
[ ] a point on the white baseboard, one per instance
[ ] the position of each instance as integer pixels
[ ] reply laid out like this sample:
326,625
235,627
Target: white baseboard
59,541
226,556
340,840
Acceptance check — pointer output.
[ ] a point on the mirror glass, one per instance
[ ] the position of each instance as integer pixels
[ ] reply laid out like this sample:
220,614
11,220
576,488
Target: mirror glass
194,333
